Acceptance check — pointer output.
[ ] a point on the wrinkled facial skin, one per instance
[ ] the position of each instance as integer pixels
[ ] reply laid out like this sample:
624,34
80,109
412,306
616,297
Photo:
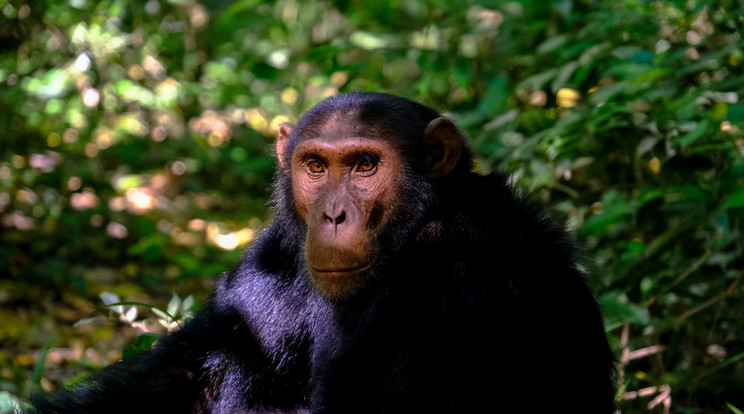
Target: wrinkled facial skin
343,184
346,183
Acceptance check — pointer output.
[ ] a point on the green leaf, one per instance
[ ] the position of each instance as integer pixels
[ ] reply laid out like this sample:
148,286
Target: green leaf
685,140
735,113
236,8
161,314
695,193
187,303
613,214
109,298
626,52
131,314
537,81
495,97
736,200
9,403
604,94
552,44
54,84
174,305
563,75
647,195
734,409
143,343
616,306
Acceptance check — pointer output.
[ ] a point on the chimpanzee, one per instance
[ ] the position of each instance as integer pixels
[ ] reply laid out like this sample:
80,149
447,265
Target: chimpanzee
393,279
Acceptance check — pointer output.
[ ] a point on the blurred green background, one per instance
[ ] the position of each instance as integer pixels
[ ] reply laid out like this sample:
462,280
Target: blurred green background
136,158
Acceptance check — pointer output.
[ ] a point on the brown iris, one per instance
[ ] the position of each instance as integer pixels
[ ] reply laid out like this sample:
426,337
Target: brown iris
315,167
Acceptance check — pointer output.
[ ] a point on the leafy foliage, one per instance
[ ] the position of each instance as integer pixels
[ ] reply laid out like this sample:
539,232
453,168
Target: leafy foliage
136,157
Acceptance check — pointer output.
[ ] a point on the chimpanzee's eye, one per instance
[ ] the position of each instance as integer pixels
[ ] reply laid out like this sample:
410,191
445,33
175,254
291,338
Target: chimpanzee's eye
315,167
367,164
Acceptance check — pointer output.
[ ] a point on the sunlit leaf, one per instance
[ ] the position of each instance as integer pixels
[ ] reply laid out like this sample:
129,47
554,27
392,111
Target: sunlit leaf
187,303
53,85
174,305
131,314
108,298
162,315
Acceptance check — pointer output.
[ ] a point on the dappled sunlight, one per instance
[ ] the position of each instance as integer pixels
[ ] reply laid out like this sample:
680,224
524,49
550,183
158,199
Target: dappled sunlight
84,200
140,200
214,126
567,98
137,143
228,240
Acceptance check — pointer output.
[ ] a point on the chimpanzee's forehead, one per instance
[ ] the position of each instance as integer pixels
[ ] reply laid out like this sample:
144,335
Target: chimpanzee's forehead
348,124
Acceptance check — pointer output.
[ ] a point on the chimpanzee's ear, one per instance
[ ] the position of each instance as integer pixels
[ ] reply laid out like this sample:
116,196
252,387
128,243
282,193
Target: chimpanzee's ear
443,146
282,139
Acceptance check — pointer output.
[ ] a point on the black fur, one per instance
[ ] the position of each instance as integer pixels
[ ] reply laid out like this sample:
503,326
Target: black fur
478,305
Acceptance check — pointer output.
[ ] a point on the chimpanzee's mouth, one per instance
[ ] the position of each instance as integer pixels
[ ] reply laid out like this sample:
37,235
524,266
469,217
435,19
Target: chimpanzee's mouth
344,271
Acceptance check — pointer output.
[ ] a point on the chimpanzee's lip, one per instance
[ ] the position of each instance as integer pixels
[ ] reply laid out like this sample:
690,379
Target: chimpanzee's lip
345,271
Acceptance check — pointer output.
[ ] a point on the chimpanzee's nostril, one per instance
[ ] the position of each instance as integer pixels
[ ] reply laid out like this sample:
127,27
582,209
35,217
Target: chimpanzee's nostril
335,219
